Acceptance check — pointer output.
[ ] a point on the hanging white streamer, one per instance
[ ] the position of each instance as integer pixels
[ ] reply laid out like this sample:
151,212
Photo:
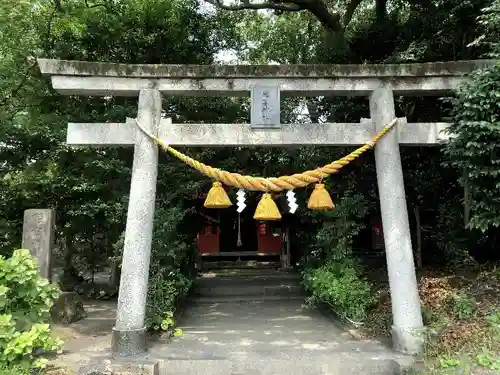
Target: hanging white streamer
240,199
292,201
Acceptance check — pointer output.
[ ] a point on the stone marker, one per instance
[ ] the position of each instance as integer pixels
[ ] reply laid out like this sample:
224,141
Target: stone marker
38,237
265,111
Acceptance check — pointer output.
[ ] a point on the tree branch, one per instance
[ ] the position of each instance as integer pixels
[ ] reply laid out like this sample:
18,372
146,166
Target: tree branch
95,5
349,12
288,6
330,20
381,9
58,6
318,8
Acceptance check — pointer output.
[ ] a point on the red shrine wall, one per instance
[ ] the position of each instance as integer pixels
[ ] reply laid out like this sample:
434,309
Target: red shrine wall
269,240
207,240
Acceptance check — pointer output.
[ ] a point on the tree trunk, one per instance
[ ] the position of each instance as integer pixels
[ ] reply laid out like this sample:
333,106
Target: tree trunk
467,199
114,279
70,277
312,108
418,252
381,10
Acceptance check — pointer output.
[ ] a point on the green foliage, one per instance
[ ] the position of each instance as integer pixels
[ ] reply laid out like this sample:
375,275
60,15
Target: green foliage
164,323
333,276
337,229
490,21
340,286
25,303
489,361
88,188
9,370
171,266
462,306
446,362
475,150
494,320
163,295
430,316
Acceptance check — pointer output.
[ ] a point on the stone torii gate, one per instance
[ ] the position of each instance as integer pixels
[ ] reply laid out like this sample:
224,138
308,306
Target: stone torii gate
150,82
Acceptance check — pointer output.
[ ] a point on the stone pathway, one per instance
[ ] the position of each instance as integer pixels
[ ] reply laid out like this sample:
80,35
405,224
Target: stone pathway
251,322
248,324
88,338
268,337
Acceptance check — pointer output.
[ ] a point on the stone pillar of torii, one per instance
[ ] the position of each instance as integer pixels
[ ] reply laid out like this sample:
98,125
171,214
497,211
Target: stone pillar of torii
265,83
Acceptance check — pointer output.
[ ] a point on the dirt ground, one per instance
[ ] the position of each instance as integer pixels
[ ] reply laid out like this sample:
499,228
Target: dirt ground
461,310
86,338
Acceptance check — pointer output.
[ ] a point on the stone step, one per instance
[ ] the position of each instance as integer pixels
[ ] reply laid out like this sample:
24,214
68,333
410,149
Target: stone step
248,291
339,364
247,286
248,280
249,272
248,283
231,264
201,300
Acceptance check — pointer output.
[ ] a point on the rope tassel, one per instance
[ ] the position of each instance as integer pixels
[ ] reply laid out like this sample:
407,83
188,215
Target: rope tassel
217,197
320,200
267,209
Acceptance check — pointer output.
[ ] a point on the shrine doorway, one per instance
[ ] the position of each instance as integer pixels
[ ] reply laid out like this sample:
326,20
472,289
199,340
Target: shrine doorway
228,237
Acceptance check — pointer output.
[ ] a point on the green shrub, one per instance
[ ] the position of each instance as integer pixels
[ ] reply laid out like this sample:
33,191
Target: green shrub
4,370
339,286
163,294
25,302
171,262
170,265
332,276
462,306
476,125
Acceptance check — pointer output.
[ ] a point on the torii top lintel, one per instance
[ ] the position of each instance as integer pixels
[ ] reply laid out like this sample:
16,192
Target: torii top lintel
100,78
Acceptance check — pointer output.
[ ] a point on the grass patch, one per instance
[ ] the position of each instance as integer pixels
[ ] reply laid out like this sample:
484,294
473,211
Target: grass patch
462,314
13,371
48,371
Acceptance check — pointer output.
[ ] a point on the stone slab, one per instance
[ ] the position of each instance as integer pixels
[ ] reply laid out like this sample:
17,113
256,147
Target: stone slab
38,237
254,287
327,366
93,78
295,135
277,336
298,71
265,107
108,366
210,87
326,134
101,134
